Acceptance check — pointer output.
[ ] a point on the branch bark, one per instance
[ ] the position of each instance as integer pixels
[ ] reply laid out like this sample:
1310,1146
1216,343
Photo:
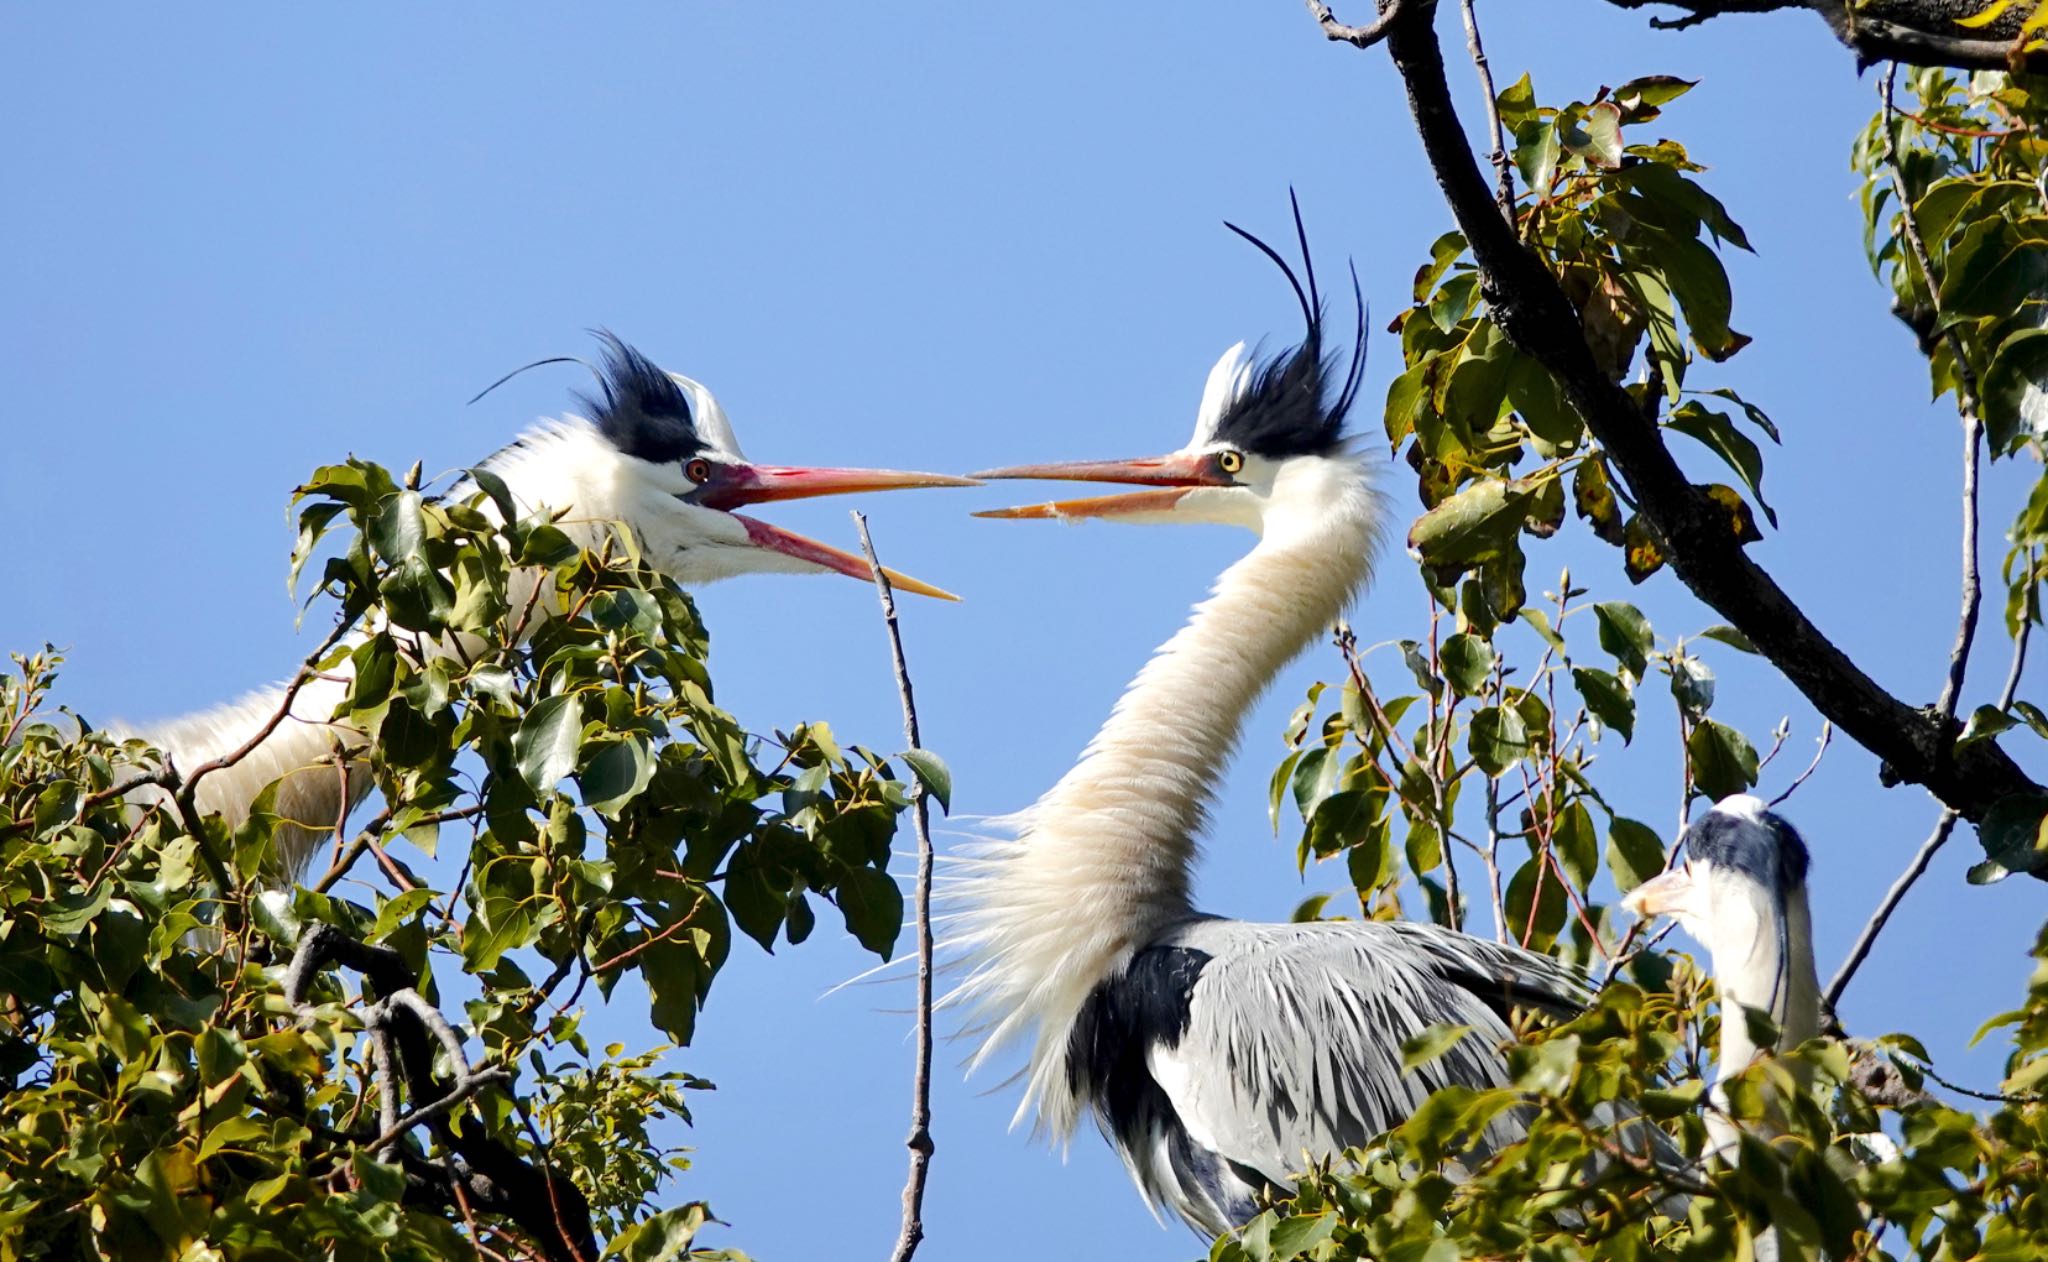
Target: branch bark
920,1140
1536,316
1919,32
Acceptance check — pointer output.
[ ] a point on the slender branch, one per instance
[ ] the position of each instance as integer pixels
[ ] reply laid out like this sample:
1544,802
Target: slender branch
1929,848
920,1141
1526,302
1966,403
1827,733
1502,169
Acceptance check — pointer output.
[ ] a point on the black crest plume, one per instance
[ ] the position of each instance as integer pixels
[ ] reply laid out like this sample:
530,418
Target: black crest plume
643,412
1290,408
1769,852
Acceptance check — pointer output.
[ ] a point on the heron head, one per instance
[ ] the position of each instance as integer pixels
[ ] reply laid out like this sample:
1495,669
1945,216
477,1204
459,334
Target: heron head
1742,862
1268,440
682,476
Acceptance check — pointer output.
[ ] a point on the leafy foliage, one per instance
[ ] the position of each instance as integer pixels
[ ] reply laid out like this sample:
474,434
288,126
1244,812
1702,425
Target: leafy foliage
1494,761
548,704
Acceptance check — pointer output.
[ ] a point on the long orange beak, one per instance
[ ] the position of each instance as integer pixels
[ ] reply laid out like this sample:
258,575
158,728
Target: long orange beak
804,548
1174,475
733,485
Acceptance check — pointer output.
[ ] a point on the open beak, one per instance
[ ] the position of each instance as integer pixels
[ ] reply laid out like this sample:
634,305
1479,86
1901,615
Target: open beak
1171,477
738,484
1665,894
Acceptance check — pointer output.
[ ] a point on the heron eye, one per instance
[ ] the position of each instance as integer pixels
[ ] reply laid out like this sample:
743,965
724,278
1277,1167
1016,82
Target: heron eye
1229,461
698,471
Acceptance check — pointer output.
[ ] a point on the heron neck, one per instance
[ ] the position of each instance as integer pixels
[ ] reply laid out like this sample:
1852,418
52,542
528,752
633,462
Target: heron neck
1750,974
1104,861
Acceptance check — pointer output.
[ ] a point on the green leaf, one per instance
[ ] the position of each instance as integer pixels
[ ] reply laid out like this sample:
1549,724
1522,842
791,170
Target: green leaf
1608,699
1537,150
617,773
1498,739
1634,852
1535,915
1430,1044
2011,834
1467,663
1723,761
1719,435
2016,390
933,774
1577,844
1692,684
1516,102
873,907
1729,636
1343,818
396,528
1442,253
548,740
1625,635
1993,269
1473,526
1986,721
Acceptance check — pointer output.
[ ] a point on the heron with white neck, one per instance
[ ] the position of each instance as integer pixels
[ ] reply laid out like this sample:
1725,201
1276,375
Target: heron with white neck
1217,1055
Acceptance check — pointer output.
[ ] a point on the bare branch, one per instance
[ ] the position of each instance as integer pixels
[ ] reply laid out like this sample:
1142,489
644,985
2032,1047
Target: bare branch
920,1141
1827,733
1966,403
1502,169
1526,302
1360,36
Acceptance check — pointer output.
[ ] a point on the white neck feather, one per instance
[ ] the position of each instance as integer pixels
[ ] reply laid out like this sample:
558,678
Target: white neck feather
1747,974
1103,862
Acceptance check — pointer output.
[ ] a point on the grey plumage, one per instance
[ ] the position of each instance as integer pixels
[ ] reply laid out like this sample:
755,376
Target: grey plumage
1269,1044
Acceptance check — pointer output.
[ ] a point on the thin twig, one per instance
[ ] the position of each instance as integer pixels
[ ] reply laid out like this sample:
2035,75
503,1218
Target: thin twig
1827,733
1943,827
920,1140
1501,166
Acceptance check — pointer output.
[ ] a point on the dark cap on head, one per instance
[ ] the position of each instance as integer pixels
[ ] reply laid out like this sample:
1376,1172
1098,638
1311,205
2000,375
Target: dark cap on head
643,413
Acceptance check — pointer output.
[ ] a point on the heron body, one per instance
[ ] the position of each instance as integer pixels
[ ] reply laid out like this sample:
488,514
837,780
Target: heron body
1216,1055
652,450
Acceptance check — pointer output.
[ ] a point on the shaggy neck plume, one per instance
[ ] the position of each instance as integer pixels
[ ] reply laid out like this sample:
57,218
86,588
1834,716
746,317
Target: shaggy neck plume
1103,862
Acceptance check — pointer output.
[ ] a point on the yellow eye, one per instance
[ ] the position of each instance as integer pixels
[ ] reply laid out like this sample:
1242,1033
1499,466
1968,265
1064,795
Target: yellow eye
1229,461
698,471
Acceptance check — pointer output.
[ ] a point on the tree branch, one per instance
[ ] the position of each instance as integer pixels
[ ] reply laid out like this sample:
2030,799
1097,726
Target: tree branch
1502,168
1535,315
1918,32
485,1173
920,1141
1366,36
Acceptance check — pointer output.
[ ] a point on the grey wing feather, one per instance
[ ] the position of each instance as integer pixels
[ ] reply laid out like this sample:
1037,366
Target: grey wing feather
1307,1022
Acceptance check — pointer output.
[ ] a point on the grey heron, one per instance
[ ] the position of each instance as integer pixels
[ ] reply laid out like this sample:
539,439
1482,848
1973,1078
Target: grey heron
651,449
1216,1055
1741,893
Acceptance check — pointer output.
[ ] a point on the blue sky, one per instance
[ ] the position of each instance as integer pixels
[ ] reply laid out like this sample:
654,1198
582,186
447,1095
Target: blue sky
249,241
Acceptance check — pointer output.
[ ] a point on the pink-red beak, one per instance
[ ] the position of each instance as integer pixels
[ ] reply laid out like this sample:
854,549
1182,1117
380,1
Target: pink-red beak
1173,476
734,485
737,485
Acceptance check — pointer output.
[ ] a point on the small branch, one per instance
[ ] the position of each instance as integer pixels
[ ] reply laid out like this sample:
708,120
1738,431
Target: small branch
1966,403
920,1141
1827,733
1361,36
1502,168
1929,848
